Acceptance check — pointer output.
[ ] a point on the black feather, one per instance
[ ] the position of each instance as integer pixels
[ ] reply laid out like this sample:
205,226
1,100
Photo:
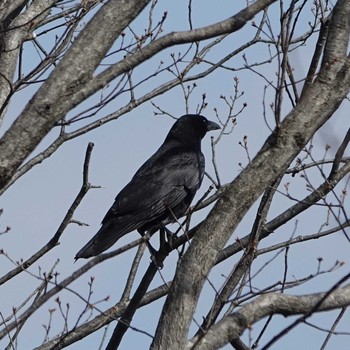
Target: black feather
162,188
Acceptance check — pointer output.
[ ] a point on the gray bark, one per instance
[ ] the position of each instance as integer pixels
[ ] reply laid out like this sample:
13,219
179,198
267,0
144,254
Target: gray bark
72,81
14,31
73,72
316,106
232,326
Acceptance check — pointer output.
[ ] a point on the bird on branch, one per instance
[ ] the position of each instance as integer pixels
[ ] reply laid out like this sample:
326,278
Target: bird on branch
161,190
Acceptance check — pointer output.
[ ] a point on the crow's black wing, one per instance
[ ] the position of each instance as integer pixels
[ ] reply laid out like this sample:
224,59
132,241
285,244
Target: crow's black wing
160,184
163,183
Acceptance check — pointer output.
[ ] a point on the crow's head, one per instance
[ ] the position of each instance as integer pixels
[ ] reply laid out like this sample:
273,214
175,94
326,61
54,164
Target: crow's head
191,128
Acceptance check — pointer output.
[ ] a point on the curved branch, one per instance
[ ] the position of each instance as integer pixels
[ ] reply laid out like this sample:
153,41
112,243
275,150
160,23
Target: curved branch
65,222
73,76
232,326
73,72
313,110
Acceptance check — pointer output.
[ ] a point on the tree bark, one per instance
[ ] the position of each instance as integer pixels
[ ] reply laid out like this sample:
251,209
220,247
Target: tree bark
73,72
317,105
232,326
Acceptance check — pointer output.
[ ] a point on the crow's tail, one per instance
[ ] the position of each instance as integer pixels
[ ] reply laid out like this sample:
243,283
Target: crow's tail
104,239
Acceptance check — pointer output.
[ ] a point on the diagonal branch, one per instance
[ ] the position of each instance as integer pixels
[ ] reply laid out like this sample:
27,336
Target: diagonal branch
232,326
72,81
125,320
74,71
313,110
65,222
244,263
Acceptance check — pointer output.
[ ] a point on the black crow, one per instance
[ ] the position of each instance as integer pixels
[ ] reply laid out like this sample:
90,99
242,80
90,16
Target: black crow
161,189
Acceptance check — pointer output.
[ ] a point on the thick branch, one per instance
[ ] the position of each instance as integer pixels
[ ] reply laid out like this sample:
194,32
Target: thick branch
232,326
72,80
13,32
244,263
337,43
75,69
313,110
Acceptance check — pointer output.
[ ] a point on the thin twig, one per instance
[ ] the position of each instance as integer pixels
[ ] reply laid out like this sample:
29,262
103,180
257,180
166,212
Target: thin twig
67,219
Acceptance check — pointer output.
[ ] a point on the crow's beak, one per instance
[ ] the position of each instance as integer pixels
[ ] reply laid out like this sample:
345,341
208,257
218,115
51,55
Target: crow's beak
212,126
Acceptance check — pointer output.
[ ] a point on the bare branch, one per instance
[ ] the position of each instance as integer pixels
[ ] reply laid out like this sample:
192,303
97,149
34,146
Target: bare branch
66,221
232,326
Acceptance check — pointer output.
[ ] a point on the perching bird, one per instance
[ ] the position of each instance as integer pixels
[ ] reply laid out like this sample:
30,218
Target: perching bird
161,189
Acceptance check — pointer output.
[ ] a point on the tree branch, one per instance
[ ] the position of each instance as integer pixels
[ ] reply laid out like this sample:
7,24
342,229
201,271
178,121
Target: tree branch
232,326
74,71
67,219
313,110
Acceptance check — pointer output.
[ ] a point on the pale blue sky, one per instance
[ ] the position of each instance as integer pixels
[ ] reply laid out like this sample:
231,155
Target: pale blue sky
36,204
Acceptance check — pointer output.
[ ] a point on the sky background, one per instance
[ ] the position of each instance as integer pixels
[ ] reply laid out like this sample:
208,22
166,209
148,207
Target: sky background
36,204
